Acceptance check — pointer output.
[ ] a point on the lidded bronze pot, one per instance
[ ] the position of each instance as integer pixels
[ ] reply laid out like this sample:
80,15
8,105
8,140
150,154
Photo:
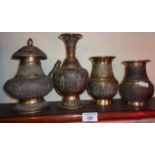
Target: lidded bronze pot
102,85
30,84
70,79
136,88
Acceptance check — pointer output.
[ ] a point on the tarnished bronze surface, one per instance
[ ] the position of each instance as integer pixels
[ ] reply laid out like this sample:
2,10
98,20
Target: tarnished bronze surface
136,103
136,88
70,80
102,84
30,84
104,102
30,106
71,102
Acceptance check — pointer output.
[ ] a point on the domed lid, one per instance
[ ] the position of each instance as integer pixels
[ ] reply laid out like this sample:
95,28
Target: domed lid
29,51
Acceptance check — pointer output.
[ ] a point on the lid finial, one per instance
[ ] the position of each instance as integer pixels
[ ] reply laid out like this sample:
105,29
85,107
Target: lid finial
30,42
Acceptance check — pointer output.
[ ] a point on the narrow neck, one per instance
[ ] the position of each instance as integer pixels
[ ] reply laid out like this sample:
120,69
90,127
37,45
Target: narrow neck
70,54
70,41
70,46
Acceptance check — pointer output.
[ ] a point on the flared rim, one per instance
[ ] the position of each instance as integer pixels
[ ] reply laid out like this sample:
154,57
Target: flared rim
136,61
71,35
102,59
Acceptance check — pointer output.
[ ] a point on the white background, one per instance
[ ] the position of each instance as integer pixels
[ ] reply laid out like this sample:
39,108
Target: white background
76,16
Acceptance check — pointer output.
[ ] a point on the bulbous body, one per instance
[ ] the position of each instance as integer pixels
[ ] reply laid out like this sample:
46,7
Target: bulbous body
70,80
30,84
136,88
102,85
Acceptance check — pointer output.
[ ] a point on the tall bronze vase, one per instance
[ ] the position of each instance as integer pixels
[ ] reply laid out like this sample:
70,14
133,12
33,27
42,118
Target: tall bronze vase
102,84
136,88
70,79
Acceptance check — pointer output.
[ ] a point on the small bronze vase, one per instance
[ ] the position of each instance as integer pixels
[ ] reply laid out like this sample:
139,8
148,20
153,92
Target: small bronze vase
30,84
102,84
70,79
136,88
